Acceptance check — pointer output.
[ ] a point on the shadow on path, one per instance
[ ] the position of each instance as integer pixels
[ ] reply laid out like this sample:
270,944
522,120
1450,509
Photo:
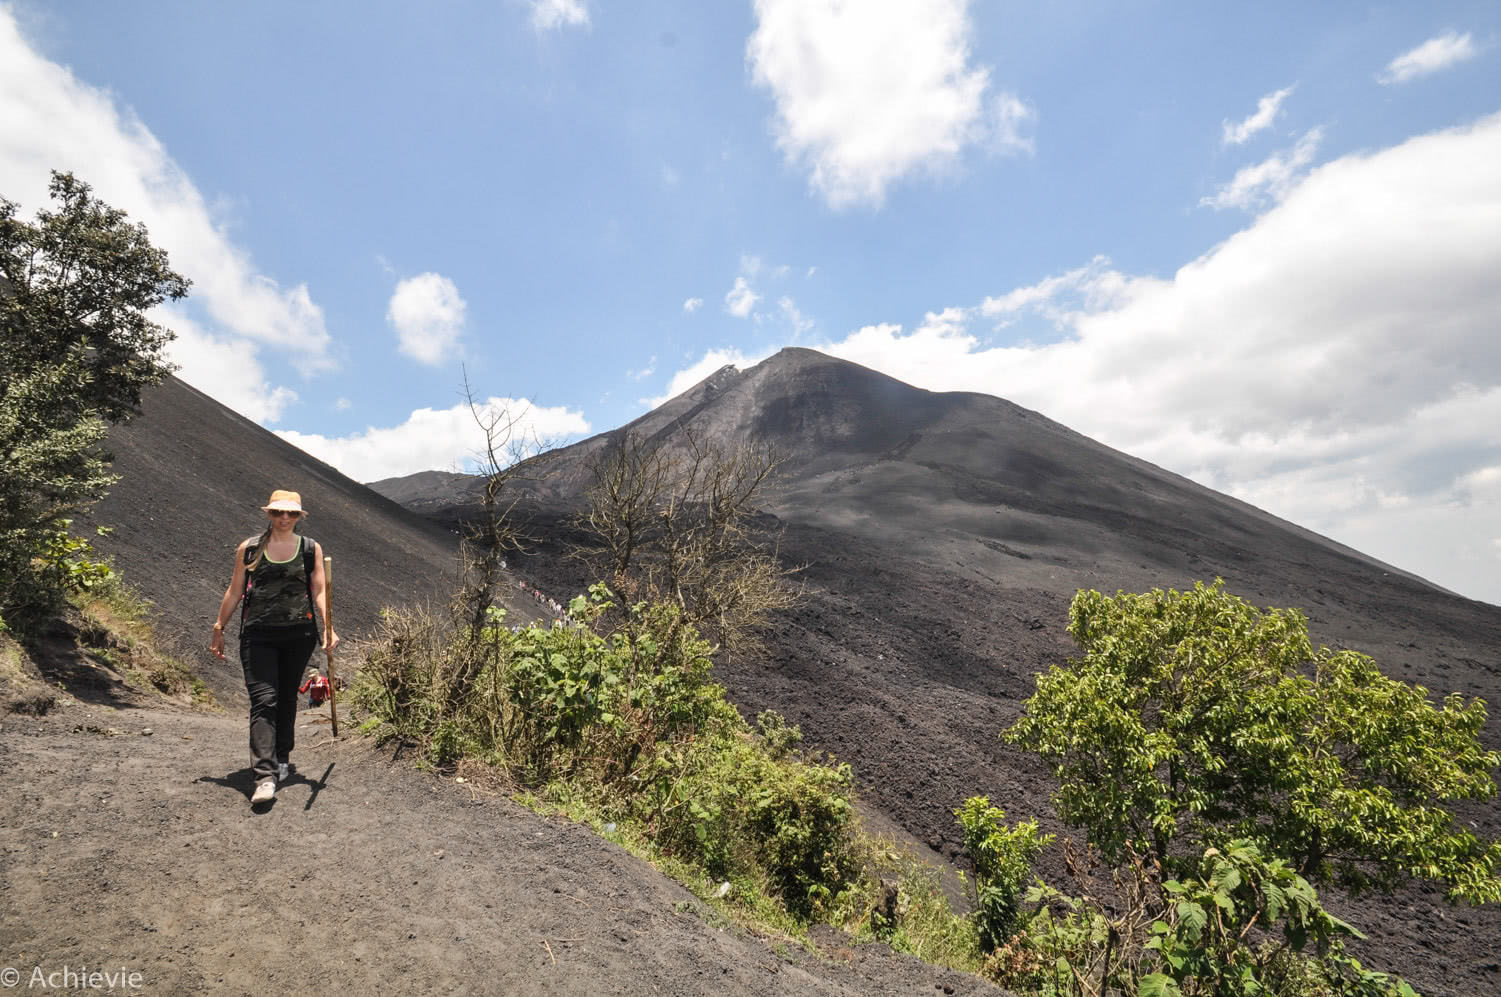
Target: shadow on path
242,781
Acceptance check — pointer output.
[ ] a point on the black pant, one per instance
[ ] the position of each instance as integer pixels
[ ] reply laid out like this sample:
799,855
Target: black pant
274,659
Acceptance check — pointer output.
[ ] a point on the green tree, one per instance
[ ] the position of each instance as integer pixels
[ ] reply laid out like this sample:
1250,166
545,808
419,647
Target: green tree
76,350
1192,718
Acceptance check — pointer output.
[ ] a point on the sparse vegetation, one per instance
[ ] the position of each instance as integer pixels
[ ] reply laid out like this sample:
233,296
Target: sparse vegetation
680,525
1209,881
119,631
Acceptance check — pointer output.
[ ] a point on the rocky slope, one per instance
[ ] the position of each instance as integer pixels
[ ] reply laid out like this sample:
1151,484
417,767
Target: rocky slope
943,535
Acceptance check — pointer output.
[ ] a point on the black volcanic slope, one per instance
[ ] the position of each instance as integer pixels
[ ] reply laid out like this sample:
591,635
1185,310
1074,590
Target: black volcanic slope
193,478
944,534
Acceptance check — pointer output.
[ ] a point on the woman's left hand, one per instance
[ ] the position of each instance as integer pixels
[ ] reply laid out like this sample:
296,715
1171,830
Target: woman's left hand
330,642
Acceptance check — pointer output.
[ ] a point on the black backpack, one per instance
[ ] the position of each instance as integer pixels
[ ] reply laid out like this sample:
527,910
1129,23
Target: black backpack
309,561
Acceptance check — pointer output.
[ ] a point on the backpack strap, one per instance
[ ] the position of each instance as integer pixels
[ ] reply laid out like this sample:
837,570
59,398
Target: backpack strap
309,562
250,548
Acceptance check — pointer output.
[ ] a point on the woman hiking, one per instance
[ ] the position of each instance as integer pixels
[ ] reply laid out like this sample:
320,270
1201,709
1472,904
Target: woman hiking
278,581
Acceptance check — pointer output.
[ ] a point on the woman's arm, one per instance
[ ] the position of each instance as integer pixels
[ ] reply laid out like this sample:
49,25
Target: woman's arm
232,596
320,597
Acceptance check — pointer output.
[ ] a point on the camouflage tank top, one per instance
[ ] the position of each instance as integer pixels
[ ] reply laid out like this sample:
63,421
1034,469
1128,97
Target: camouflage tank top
279,593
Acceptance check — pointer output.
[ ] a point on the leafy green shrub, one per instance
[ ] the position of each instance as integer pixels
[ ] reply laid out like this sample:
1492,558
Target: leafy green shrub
724,803
777,736
1191,719
1242,925
632,720
1003,858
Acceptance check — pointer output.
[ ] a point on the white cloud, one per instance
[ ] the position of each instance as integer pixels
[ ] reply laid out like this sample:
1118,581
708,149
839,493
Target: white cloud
796,320
433,439
868,94
1334,362
1435,54
551,14
1009,114
1060,298
1267,109
692,305
710,362
50,119
227,367
427,313
740,299
644,372
341,405
1269,180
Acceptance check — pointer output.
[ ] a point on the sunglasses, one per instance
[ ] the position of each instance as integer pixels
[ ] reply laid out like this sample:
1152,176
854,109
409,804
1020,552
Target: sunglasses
285,512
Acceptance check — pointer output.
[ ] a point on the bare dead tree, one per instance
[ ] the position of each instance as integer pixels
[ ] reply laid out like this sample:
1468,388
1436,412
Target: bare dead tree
489,537
681,525
628,483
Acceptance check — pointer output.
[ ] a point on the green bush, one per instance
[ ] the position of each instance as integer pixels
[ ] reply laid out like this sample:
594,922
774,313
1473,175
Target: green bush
631,720
740,812
1241,925
1191,718
777,736
1003,858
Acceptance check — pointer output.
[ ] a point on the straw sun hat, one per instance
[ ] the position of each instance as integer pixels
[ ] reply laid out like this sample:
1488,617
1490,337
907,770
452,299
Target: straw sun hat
284,500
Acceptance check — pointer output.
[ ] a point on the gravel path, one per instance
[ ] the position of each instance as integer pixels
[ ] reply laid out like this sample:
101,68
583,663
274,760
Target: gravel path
122,851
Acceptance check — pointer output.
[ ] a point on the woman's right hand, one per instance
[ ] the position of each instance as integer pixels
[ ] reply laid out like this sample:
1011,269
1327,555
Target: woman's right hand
217,644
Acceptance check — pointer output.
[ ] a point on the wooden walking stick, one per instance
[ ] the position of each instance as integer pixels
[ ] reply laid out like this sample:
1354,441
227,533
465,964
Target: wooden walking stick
328,625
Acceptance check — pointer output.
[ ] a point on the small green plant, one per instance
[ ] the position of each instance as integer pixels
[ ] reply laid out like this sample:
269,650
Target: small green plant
778,736
1003,858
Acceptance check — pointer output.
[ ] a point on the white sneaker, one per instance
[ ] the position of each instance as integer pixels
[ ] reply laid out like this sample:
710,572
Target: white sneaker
264,791
283,769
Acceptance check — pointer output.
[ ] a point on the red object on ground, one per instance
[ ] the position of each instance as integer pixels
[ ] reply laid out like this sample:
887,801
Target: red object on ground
319,686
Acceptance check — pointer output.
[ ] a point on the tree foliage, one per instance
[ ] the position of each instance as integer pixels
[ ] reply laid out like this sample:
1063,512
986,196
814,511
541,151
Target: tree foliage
76,350
1192,718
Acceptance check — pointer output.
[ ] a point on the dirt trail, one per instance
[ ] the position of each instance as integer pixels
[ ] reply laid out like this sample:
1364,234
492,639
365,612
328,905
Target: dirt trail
366,876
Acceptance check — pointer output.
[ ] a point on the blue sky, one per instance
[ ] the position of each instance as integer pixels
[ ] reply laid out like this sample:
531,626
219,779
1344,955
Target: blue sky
1257,244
